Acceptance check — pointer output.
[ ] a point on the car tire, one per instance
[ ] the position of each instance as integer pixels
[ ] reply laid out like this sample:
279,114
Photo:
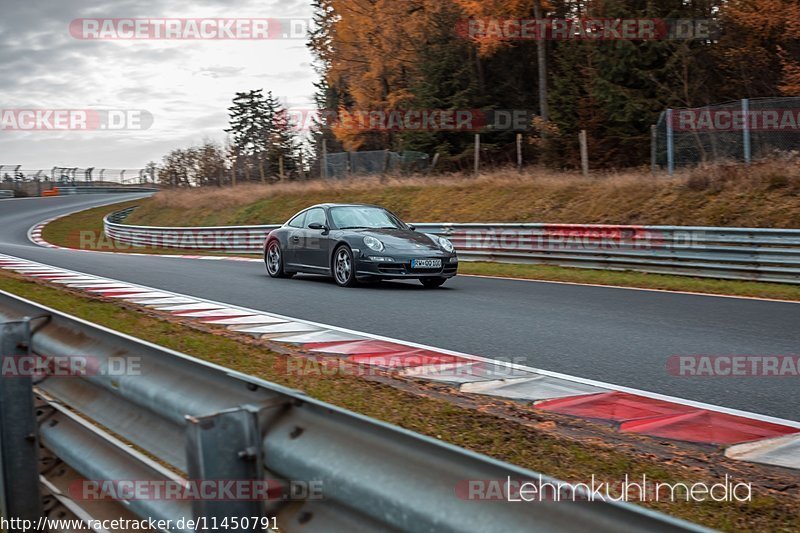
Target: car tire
432,283
343,267
273,259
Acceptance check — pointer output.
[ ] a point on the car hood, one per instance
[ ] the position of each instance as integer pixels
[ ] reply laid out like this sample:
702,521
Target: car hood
401,239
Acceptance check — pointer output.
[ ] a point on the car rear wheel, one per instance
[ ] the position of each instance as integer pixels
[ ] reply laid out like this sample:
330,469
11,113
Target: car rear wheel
344,272
274,261
432,283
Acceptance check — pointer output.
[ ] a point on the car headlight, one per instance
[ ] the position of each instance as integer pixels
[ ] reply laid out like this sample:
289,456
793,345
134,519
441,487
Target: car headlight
446,245
373,243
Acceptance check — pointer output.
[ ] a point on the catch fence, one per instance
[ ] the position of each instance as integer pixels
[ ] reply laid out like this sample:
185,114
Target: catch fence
742,131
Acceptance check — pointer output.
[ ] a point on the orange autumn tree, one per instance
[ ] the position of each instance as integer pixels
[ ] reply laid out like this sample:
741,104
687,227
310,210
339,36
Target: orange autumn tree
376,45
760,47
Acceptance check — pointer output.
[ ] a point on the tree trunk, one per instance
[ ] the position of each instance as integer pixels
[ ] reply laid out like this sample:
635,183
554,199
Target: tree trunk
541,59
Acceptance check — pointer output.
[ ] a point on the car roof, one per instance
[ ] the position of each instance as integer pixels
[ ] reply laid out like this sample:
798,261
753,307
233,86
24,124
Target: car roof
329,205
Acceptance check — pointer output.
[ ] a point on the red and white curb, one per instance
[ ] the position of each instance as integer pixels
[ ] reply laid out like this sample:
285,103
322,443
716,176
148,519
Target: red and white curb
747,436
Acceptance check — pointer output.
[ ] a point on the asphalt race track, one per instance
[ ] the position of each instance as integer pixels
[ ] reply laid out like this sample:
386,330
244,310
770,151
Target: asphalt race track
614,335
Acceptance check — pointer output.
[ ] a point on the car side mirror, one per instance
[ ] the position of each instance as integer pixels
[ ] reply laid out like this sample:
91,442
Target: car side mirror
412,227
317,225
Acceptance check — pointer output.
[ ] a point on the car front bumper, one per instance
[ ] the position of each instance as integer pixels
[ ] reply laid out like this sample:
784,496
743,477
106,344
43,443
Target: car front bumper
399,267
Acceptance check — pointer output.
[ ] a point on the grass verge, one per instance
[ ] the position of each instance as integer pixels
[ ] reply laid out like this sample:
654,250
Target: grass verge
755,289
534,443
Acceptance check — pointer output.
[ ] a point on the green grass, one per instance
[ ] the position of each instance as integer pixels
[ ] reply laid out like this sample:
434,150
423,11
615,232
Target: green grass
535,445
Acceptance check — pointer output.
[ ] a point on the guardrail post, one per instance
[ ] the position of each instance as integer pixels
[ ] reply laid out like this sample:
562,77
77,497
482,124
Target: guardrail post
225,446
19,443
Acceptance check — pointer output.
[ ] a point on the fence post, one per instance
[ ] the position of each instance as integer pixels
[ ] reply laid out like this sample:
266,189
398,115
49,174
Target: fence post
670,144
584,153
324,163
746,130
302,170
19,442
653,148
477,153
433,163
233,174
519,152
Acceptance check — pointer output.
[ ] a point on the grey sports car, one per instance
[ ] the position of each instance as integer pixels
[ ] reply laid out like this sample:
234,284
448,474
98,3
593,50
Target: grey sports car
353,243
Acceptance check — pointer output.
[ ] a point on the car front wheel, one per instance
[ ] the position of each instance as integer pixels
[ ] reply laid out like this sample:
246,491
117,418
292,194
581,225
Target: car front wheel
344,272
274,261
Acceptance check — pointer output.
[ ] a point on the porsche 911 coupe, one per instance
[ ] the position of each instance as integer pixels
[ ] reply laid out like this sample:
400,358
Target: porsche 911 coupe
354,243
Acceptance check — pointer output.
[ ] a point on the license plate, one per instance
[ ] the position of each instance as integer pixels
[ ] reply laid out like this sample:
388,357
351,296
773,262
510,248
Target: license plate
426,263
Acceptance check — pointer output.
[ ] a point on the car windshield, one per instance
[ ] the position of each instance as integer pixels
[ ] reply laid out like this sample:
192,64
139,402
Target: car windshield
355,217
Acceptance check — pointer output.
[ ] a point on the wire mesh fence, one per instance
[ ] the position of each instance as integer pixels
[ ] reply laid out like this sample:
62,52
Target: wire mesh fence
75,175
32,182
735,131
348,164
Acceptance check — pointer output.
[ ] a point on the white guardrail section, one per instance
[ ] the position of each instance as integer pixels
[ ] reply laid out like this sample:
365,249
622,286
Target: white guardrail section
176,418
103,189
729,253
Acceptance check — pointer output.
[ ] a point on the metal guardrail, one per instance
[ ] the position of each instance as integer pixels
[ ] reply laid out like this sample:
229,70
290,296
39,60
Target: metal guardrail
103,190
5,193
729,253
178,418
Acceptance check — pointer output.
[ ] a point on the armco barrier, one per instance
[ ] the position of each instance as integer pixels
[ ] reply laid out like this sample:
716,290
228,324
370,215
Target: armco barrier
729,253
103,190
168,419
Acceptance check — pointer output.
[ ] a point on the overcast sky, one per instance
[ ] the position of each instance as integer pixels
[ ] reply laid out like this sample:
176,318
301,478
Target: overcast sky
186,85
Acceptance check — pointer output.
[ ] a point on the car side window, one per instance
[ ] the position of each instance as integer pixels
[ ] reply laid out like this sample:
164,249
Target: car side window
297,222
315,215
